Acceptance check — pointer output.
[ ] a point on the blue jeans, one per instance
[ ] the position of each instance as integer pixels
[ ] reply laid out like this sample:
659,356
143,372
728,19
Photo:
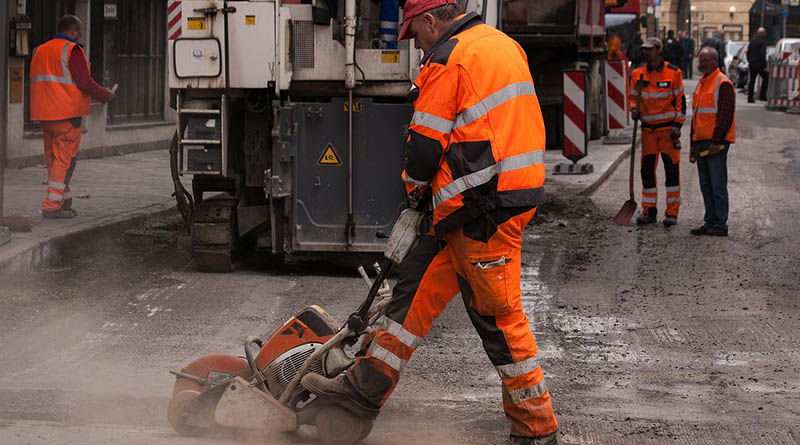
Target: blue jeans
713,173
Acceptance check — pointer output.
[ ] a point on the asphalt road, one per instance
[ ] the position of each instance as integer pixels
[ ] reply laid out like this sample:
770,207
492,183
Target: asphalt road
646,335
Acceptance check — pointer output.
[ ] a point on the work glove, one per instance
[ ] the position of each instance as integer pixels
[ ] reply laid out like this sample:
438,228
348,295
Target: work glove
635,115
675,133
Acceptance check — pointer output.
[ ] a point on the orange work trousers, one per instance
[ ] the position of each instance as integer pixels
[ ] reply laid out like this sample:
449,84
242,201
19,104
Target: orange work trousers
481,261
61,141
654,143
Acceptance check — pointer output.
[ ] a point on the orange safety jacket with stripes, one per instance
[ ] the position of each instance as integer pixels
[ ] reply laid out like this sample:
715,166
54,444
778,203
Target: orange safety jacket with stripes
54,94
477,136
705,104
663,99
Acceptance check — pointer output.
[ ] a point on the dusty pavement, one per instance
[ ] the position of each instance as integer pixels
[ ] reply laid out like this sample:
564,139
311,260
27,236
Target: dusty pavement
647,335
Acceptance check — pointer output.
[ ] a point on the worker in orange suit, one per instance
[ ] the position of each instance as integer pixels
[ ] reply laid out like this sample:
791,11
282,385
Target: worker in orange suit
476,144
61,90
662,113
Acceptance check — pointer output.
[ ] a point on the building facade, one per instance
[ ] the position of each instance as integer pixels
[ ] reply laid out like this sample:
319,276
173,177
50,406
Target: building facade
702,17
125,43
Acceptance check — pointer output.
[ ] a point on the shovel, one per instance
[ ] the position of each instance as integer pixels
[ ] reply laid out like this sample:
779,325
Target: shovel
629,208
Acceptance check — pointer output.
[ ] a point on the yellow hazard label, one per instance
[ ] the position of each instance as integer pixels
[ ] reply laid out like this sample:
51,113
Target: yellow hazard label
329,156
249,20
390,56
357,106
196,23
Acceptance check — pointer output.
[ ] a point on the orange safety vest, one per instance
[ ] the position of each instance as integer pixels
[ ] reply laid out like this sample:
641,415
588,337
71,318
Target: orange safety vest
477,129
663,100
54,95
704,108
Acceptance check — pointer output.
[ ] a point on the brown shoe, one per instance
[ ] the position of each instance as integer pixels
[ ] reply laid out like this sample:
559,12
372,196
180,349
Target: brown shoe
340,390
717,231
58,214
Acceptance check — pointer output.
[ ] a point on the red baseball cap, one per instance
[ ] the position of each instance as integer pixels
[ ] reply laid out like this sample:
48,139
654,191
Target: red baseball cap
414,8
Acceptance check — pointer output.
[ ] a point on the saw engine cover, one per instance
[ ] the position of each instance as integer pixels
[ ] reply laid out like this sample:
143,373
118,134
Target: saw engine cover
290,345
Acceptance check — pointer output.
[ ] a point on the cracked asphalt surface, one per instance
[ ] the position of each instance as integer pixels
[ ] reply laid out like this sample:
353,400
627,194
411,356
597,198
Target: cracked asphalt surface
647,335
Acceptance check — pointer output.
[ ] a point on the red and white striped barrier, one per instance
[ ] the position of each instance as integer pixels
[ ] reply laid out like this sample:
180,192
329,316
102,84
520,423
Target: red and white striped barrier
576,139
174,22
784,85
615,94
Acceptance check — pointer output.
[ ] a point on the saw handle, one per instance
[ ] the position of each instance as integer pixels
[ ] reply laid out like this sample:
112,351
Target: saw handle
358,321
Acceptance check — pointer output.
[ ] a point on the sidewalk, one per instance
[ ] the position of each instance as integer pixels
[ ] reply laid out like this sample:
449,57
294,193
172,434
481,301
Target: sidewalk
114,193
110,194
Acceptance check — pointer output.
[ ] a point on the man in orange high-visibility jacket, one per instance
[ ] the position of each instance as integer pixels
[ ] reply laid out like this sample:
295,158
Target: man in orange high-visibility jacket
662,113
713,132
476,143
61,89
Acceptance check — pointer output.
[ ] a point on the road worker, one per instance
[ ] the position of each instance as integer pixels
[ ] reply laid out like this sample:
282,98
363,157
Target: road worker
662,113
713,131
476,143
61,90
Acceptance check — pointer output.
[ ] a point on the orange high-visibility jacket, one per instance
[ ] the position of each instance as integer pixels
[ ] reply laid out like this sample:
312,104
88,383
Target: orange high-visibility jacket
663,100
54,95
477,136
704,108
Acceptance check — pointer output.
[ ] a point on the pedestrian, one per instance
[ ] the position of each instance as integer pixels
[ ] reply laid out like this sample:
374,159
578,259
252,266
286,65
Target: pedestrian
662,112
634,51
476,142
757,65
687,44
673,52
61,90
716,41
713,132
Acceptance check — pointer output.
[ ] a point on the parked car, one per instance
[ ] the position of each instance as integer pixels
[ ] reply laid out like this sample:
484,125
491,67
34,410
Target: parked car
788,49
737,70
731,48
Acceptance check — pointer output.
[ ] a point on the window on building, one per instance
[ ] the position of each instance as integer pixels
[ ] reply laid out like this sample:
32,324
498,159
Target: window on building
44,15
732,32
709,31
134,42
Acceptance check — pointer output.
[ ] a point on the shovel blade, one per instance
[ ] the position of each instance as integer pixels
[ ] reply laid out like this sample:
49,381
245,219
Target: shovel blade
625,213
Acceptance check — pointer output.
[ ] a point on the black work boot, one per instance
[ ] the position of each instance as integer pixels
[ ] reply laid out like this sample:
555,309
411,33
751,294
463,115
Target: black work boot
549,439
670,220
646,218
68,206
340,390
58,214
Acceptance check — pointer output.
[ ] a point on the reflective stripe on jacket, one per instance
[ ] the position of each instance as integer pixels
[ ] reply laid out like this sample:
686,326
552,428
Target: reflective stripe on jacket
477,136
663,99
705,106
54,94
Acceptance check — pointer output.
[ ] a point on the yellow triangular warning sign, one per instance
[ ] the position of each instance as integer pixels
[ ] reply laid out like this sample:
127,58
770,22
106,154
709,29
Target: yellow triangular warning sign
329,156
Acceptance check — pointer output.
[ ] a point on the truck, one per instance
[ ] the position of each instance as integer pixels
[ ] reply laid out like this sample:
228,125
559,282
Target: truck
291,115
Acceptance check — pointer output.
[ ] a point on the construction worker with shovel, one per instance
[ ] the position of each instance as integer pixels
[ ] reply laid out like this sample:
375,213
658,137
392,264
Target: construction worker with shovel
662,114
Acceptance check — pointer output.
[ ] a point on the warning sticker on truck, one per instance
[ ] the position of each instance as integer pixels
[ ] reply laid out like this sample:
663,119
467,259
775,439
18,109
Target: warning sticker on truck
390,56
196,23
249,20
329,156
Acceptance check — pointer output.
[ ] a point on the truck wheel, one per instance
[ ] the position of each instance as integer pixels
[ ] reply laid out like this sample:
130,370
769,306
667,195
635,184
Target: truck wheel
337,426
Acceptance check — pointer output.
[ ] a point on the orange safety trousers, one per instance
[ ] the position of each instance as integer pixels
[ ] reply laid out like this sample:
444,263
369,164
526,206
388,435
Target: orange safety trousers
654,143
61,141
487,275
